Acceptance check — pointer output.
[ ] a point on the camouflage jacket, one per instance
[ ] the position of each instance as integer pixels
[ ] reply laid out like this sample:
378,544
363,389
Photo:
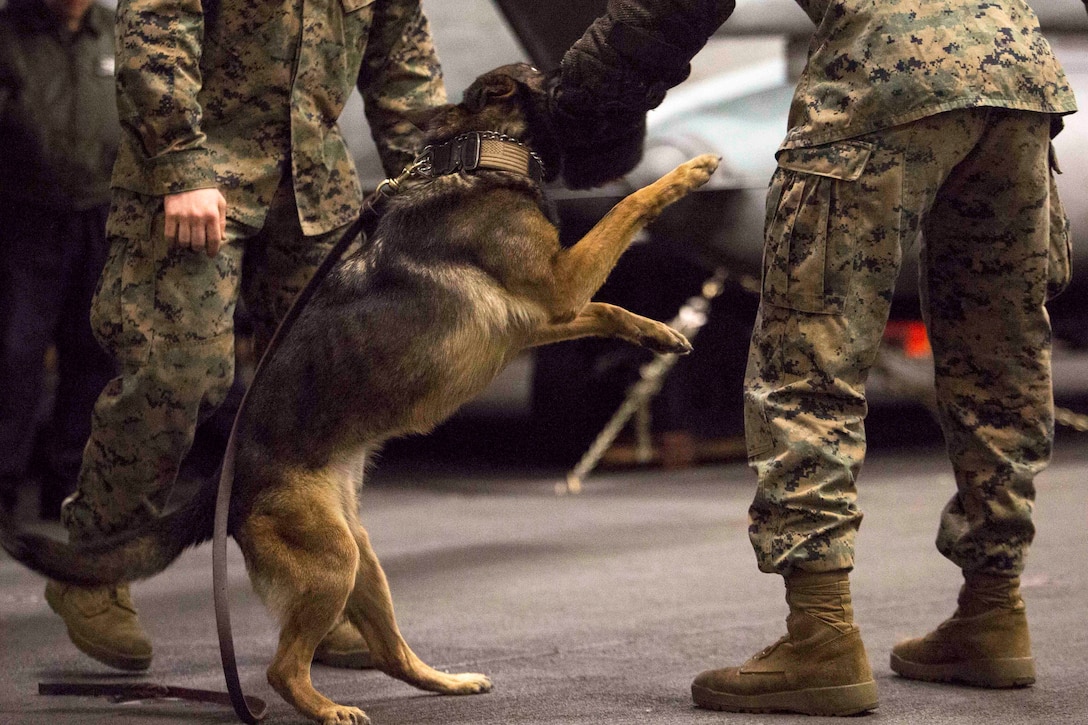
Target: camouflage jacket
872,65
234,93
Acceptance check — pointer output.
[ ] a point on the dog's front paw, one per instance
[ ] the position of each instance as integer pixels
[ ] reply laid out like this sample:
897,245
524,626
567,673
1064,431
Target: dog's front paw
699,170
664,339
469,683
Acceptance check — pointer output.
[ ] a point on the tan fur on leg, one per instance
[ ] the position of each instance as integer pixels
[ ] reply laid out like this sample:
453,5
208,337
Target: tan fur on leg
370,608
303,558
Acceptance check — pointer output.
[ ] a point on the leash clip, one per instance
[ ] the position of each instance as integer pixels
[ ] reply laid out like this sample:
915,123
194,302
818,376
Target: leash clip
420,167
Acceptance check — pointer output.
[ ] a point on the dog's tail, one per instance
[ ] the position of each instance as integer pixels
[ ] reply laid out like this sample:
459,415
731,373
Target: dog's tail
129,556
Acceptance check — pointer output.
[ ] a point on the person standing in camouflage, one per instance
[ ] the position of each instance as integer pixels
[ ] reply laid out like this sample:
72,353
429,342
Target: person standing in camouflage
232,179
927,119
912,119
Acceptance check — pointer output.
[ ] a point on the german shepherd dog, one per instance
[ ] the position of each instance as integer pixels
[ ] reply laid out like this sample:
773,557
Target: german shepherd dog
463,272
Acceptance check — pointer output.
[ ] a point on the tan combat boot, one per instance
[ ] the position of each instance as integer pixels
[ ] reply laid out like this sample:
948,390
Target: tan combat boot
102,623
818,668
344,647
985,643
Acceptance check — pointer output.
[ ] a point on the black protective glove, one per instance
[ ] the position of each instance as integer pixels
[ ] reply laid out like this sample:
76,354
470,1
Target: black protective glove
618,70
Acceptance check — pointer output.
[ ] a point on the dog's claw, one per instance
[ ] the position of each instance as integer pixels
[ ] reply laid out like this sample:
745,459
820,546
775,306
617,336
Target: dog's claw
699,170
707,162
470,683
665,340
343,715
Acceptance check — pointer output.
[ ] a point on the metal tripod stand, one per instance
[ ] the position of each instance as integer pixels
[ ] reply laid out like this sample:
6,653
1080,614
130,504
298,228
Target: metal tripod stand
688,321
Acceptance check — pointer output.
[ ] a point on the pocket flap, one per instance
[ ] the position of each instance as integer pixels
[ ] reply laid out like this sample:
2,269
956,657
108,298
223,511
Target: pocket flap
844,161
351,6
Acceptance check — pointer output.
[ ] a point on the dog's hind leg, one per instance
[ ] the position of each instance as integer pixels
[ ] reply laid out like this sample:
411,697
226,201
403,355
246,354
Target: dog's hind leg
370,609
598,319
582,269
302,558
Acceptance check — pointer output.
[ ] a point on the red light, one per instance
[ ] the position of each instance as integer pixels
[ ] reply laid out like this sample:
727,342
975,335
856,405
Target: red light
911,336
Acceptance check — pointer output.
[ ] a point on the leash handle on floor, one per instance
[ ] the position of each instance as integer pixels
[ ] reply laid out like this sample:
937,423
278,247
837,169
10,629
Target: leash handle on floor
365,224
132,691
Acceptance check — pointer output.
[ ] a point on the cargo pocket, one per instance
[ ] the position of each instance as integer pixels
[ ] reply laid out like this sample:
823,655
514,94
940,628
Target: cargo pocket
124,296
804,268
1060,253
358,20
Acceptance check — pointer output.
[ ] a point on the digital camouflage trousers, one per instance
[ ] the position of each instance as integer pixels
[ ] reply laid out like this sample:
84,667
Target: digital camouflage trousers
167,314
977,185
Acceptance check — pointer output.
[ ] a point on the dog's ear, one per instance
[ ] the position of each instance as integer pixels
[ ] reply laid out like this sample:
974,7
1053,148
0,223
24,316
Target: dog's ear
488,88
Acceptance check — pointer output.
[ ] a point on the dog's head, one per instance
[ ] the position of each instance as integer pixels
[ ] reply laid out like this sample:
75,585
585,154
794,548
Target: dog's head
518,100
511,100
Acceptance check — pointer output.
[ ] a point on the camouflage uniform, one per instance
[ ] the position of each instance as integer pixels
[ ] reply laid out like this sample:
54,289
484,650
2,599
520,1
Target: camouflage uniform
243,96
930,116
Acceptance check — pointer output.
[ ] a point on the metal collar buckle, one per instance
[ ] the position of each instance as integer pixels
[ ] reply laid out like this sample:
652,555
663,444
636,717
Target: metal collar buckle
460,154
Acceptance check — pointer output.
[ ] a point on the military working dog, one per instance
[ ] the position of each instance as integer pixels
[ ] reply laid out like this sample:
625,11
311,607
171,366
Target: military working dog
464,271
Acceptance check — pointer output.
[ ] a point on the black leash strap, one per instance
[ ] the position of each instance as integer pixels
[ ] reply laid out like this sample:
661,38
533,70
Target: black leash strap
134,691
365,224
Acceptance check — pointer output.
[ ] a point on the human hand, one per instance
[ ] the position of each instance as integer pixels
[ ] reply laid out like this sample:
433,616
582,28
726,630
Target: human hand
196,219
